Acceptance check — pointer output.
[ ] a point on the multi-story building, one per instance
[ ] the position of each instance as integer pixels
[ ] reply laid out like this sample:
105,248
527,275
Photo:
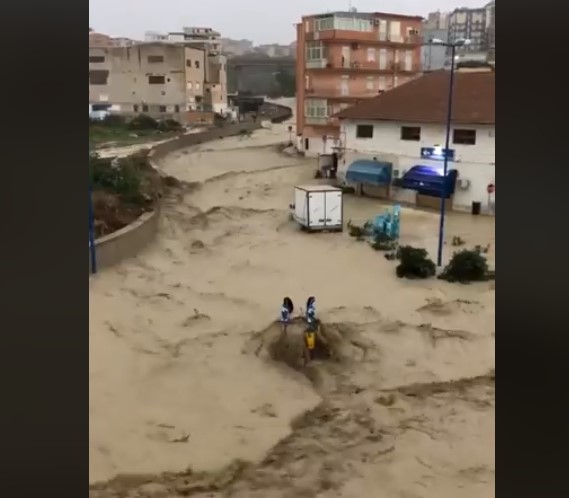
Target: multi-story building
208,40
469,24
433,57
491,30
344,58
436,20
102,40
202,37
478,26
159,79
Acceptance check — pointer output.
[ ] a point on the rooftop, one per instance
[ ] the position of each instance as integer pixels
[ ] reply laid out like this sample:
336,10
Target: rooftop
362,15
425,100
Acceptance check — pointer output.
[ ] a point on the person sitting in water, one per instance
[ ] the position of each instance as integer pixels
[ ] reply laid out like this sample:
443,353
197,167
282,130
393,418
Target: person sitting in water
311,313
309,345
286,312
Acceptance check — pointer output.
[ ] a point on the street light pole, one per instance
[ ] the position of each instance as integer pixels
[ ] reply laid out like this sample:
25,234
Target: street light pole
92,249
457,43
445,158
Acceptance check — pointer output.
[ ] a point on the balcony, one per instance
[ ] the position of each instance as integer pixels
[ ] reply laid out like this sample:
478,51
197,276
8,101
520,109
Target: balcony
365,38
310,120
316,63
367,68
339,94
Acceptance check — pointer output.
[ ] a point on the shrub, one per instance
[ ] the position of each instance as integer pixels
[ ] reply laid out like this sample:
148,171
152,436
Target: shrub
113,121
143,122
118,176
169,125
383,242
414,263
466,266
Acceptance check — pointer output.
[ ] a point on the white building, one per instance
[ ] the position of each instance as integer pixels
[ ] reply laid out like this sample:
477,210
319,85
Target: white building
405,128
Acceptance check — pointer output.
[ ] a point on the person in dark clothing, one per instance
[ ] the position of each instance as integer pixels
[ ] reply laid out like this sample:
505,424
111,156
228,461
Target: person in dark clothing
311,313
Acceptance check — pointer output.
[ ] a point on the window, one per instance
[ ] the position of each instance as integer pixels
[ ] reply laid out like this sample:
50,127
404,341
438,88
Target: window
189,85
371,54
135,108
364,131
162,108
197,87
352,24
382,83
316,108
411,133
369,83
96,58
197,64
464,137
98,77
176,108
324,24
315,51
155,58
144,108
156,80
188,62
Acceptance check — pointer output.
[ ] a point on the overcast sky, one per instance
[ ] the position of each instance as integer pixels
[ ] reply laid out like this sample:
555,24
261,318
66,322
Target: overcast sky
262,21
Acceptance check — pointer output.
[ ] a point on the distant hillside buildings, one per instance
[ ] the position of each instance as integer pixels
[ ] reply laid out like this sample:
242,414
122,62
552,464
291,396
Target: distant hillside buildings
477,24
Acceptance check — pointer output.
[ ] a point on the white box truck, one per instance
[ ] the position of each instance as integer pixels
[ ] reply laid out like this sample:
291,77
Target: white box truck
319,207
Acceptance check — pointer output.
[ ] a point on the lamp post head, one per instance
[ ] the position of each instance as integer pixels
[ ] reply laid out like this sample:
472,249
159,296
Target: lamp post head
462,42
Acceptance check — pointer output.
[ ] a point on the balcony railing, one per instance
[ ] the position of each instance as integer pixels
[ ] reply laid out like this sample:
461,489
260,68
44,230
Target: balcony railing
311,120
316,63
369,67
373,37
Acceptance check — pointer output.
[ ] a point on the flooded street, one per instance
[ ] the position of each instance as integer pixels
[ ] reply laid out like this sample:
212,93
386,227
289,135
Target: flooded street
175,381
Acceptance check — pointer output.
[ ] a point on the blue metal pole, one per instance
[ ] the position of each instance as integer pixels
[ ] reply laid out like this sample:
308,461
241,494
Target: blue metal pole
92,250
445,167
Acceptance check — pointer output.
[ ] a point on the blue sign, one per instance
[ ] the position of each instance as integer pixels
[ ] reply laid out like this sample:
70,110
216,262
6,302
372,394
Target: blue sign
437,153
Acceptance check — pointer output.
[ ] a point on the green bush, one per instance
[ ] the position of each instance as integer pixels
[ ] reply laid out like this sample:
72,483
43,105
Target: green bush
414,263
169,125
119,176
113,121
143,122
466,266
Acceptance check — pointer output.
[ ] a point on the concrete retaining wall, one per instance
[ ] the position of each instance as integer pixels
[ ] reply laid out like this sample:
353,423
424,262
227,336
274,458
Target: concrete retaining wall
183,141
128,241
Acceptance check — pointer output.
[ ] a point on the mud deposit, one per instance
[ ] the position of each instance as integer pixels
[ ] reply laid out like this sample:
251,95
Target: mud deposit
188,370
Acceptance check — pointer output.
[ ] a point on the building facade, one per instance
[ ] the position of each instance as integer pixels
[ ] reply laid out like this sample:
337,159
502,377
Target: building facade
405,129
433,57
344,58
436,20
215,65
159,79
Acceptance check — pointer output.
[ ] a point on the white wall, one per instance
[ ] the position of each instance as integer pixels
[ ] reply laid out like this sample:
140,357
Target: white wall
473,162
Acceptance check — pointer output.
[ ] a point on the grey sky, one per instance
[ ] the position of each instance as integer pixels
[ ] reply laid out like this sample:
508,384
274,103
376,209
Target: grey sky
263,21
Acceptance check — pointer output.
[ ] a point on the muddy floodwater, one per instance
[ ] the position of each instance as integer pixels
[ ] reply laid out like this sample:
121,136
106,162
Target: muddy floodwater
186,398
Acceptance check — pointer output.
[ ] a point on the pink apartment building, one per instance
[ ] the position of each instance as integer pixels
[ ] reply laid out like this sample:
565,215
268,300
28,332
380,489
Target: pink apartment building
346,57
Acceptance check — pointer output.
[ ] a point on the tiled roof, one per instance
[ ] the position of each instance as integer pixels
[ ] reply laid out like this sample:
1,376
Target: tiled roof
425,100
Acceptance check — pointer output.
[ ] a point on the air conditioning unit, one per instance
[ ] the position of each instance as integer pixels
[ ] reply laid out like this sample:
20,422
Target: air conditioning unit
463,183
396,174
376,22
